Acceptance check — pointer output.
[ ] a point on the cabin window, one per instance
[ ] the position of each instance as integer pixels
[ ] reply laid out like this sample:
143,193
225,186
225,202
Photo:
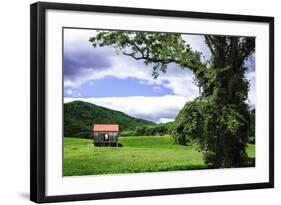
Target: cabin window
106,137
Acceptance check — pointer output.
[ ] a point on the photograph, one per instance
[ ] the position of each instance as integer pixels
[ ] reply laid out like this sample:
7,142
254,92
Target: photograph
134,102
143,101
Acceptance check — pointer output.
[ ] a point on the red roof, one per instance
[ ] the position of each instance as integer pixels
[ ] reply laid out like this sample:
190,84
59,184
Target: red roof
106,128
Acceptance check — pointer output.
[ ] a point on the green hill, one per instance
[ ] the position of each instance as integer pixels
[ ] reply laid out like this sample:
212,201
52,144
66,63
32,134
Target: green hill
79,117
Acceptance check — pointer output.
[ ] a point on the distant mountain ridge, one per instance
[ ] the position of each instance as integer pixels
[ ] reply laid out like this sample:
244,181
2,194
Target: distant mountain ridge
79,117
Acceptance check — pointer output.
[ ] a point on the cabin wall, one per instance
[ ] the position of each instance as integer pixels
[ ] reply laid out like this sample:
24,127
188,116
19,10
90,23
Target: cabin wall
99,138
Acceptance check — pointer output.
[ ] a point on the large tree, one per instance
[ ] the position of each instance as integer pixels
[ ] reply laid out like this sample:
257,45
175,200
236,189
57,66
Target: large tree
220,123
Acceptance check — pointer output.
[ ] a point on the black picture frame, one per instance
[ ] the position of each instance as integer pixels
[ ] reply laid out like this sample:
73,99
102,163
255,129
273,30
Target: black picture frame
38,101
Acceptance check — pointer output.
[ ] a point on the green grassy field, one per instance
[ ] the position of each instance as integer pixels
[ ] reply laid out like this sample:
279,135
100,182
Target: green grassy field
138,154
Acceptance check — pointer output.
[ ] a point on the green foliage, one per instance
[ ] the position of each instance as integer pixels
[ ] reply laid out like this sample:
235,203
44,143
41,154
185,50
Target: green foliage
126,133
154,130
192,122
219,120
252,135
221,134
79,118
251,150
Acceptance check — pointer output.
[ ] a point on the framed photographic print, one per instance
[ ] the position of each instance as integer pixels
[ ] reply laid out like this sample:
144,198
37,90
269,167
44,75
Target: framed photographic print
129,102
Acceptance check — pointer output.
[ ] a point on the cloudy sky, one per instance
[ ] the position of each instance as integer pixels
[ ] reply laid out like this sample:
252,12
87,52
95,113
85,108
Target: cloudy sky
100,76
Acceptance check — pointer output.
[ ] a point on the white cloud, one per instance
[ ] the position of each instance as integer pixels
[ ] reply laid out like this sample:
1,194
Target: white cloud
197,43
122,67
178,80
164,120
142,82
69,92
76,36
73,93
157,89
157,109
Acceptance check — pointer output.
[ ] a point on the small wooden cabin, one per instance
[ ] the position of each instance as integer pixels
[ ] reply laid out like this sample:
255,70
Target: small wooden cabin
105,134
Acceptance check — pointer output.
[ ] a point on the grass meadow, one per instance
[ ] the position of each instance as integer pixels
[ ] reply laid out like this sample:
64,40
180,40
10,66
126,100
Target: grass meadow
138,154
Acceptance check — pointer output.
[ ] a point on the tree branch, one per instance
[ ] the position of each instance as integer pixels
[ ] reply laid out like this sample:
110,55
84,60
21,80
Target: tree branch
132,55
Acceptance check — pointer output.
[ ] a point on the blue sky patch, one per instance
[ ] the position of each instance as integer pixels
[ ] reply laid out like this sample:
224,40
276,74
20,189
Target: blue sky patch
113,87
